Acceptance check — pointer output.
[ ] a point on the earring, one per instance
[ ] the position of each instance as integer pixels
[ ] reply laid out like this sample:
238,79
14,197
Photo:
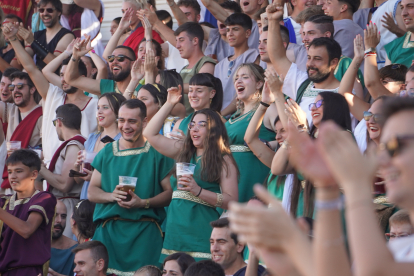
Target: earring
211,100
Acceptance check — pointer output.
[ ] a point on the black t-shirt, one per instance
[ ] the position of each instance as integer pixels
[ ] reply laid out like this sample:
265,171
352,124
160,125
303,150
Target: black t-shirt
7,56
242,271
40,36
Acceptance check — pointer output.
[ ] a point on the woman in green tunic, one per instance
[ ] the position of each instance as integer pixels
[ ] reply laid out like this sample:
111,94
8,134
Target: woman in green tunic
265,154
205,91
195,197
248,82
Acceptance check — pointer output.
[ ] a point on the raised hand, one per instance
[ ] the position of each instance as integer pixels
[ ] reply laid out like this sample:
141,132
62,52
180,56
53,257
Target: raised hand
371,36
174,95
295,113
137,71
264,19
151,60
267,96
389,23
148,28
264,228
69,49
26,34
81,48
126,19
358,48
343,158
275,83
275,11
10,29
306,158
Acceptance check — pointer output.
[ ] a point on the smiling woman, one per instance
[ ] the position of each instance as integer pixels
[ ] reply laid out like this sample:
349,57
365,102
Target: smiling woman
106,114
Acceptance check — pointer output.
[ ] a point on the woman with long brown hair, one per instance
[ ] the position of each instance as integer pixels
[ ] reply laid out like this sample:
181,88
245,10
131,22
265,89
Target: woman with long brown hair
213,184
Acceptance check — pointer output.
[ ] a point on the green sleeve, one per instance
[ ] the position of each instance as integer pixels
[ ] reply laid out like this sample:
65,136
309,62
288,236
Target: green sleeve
106,86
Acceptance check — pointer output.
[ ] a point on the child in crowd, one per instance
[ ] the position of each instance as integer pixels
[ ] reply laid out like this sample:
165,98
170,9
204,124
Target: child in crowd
26,219
400,225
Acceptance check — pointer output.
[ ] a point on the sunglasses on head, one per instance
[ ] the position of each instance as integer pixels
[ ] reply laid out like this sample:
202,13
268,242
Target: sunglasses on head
18,86
368,115
119,58
316,105
231,64
394,145
49,10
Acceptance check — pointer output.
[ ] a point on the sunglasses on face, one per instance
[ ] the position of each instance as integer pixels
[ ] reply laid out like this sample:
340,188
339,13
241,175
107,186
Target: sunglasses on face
368,115
55,120
395,145
199,125
49,10
18,86
119,58
316,105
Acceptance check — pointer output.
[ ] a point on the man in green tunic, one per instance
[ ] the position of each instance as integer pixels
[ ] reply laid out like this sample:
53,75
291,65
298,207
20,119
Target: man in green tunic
130,229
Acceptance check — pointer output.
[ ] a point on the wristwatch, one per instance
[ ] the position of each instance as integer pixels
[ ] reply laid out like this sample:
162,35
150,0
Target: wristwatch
147,204
370,50
171,3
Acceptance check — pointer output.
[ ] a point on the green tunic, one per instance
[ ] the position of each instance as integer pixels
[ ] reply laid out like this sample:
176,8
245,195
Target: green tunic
107,86
131,242
401,50
251,169
189,231
184,123
273,187
343,65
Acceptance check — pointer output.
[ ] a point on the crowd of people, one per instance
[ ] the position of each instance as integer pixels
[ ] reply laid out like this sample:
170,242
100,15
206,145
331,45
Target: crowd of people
295,117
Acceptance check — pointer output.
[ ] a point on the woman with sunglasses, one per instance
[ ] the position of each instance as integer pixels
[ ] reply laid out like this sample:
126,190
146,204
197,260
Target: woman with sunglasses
106,114
248,82
205,91
298,196
213,184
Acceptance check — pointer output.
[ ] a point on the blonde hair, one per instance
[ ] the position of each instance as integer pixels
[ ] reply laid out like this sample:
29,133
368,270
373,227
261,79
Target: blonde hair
139,4
258,73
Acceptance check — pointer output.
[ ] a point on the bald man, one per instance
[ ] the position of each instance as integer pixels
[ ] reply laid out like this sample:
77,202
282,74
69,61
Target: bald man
62,256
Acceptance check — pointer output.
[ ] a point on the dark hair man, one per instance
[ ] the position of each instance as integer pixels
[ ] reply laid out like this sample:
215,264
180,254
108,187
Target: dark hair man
23,116
227,251
62,257
67,125
91,258
138,219
50,42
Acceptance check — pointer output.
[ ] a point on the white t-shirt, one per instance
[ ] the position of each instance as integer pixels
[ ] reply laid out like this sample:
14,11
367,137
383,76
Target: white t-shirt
55,98
360,134
402,249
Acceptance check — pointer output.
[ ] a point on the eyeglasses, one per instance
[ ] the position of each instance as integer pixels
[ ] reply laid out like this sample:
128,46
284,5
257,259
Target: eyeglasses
316,105
231,64
18,86
377,117
199,125
394,145
54,121
389,236
49,10
119,58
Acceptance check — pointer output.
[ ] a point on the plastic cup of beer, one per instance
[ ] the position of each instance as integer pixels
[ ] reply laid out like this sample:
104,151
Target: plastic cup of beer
87,160
128,183
184,169
12,146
